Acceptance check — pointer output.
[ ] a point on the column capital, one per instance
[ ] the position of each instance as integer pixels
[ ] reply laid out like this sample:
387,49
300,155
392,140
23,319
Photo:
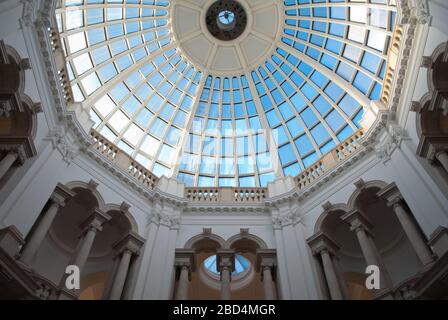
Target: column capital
391,194
225,259
184,258
357,220
440,152
131,242
95,221
16,150
61,194
266,258
320,242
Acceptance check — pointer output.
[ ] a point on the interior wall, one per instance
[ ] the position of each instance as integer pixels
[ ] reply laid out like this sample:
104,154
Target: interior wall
26,192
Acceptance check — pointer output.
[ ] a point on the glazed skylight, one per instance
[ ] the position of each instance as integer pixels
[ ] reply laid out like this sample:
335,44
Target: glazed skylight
274,116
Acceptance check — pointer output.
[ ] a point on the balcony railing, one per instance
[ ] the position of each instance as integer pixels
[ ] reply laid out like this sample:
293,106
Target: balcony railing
392,61
344,150
123,160
226,195
59,58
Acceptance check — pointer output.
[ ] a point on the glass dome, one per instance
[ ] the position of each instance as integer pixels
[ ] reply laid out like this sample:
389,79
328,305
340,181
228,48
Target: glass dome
241,264
267,104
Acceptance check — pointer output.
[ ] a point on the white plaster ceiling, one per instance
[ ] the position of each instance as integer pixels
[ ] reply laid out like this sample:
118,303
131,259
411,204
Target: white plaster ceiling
221,57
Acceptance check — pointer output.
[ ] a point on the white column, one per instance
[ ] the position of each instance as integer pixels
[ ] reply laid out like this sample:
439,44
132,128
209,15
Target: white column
127,247
225,261
83,251
361,226
371,255
330,275
442,156
38,235
110,280
90,226
120,276
184,262
268,284
7,162
225,282
182,288
392,195
321,245
266,265
415,237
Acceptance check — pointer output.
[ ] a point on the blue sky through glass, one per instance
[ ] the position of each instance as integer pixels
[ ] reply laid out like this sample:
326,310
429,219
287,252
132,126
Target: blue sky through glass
241,264
241,130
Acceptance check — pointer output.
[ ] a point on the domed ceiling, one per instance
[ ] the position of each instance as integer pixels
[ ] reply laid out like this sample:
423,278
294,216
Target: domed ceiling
226,93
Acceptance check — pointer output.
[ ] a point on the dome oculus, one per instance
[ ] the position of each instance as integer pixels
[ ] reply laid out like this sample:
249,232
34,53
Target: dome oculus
226,20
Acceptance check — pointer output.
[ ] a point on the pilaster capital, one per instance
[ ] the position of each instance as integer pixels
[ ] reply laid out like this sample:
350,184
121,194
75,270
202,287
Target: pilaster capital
172,222
320,243
357,221
60,142
277,223
95,221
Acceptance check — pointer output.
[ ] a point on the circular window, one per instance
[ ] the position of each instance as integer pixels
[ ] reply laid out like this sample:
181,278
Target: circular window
226,20
241,265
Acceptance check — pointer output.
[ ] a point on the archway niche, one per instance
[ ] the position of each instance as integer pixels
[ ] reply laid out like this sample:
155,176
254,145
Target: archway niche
80,215
432,111
202,258
374,228
18,119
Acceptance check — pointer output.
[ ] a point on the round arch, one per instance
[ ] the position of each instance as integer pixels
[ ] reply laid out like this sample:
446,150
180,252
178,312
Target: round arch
433,76
17,59
85,185
126,214
367,185
28,105
251,237
220,242
324,215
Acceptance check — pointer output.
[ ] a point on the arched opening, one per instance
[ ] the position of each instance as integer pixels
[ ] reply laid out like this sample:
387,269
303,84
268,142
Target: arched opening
205,255
67,240
375,229
17,114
